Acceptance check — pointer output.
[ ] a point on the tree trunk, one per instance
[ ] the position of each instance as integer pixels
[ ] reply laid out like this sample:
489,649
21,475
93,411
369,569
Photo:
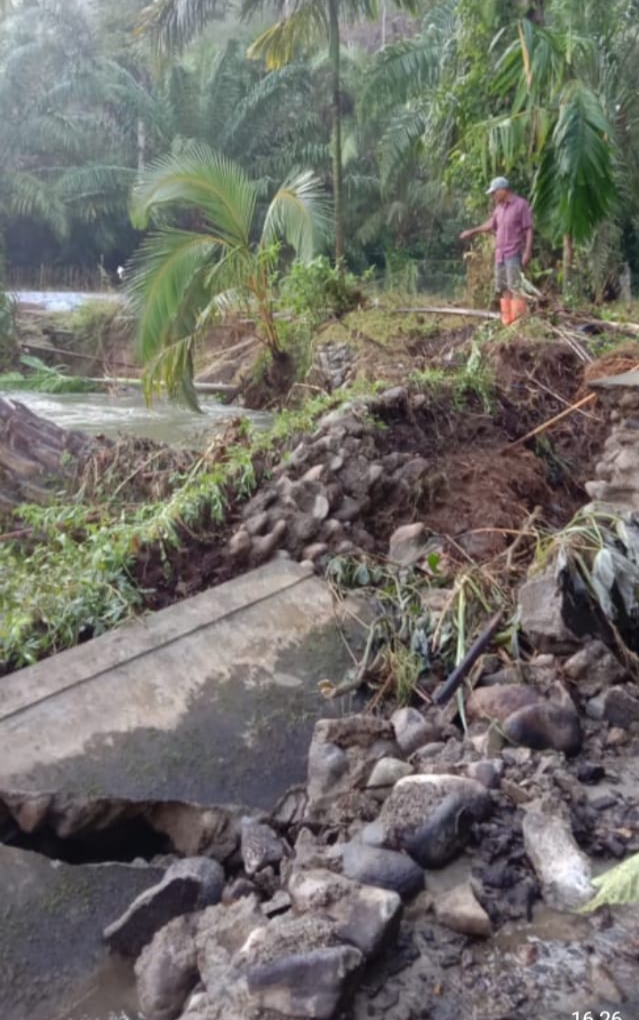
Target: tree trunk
141,144
338,185
34,453
568,258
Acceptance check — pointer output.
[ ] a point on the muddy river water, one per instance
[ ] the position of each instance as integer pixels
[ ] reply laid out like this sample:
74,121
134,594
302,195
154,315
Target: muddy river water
126,412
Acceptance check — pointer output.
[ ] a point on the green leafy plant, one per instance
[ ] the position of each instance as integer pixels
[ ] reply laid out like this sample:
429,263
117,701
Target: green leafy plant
184,277
618,886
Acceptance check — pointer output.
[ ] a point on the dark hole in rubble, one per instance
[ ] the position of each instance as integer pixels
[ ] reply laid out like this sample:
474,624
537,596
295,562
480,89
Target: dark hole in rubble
123,842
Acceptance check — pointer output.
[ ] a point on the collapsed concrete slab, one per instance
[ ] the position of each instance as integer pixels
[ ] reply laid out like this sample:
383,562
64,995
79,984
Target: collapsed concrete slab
187,704
50,936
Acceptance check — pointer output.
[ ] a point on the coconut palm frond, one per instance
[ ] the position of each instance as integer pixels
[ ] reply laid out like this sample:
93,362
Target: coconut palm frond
575,184
167,286
298,31
28,195
171,371
399,142
172,24
299,214
202,180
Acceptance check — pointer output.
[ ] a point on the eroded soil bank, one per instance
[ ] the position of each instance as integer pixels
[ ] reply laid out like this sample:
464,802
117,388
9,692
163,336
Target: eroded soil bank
433,863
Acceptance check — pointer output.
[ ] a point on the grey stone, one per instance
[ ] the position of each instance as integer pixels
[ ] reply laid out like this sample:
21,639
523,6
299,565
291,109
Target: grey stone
499,701
386,869
278,904
412,730
616,705
321,507
430,817
393,397
227,927
297,967
487,772
260,846
311,853
540,607
364,916
596,664
314,474
459,910
408,544
327,764
349,510
564,871
167,971
387,772
546,726
240,545
257,524
189,885
342,755
264,546
314,551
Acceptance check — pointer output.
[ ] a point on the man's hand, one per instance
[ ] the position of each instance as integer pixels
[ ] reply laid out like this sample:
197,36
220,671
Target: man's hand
525,260
466,234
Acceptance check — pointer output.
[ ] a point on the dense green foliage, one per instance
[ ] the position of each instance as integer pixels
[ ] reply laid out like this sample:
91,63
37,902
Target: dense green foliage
403,126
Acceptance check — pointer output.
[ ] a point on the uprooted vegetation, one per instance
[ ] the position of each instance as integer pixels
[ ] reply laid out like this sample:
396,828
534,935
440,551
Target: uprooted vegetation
142,525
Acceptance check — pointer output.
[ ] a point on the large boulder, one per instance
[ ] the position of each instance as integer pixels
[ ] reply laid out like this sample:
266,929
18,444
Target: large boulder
298,967
430,817
364,916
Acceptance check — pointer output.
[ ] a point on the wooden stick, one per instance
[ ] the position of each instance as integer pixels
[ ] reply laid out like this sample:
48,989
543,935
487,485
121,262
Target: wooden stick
551,421
468,312
558,417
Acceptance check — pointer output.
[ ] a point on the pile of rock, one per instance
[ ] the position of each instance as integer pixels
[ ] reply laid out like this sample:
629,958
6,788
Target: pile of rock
617,473
289,925
326,495
335,365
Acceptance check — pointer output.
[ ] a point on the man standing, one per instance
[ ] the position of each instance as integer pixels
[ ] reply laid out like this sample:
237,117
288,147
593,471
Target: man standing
512,224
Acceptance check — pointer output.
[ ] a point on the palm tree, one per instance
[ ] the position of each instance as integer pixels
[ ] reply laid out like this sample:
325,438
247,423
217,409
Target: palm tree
183,276
67,135
558,122
304,25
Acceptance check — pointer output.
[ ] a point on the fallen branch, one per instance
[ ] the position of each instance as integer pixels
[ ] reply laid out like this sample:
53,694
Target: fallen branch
448,688
474,313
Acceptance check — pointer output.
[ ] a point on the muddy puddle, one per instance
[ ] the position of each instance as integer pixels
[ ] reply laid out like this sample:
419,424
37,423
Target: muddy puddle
109,995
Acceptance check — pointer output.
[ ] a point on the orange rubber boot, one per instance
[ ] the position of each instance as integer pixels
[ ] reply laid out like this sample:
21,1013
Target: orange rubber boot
506,311
518,307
